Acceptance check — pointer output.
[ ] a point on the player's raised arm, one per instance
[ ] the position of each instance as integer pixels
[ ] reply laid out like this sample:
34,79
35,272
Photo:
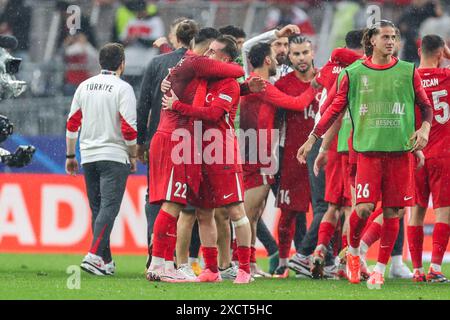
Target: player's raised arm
274,96
209,68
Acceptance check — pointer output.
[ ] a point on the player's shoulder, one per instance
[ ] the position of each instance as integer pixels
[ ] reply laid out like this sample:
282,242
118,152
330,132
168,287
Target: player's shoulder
285,80
230,83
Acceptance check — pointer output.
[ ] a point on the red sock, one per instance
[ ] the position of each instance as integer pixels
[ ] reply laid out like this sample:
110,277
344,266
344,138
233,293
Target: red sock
415,242
234,250
372,234
372,217
389,233
171,242
163,224
326,231
440,240
344,241
210,258
252,254
357,225
286,230
243,254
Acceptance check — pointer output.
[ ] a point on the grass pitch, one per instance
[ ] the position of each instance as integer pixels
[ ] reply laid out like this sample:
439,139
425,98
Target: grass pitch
24,276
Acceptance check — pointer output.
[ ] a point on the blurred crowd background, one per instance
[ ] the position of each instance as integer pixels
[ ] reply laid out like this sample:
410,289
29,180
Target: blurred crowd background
55,61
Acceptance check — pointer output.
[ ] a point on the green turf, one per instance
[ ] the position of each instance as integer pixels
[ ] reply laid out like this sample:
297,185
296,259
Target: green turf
44,277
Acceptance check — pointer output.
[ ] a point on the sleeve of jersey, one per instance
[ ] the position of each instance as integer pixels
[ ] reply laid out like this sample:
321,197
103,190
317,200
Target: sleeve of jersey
274,96
422,100
127,111
330,97
222,104
205,67
334,110
74,119
344,56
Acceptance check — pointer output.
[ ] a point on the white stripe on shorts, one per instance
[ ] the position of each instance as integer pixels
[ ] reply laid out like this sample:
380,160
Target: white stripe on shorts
239,190
169,187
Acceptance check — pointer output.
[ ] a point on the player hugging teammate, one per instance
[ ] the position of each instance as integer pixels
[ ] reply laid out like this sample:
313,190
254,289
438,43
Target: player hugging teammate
367,114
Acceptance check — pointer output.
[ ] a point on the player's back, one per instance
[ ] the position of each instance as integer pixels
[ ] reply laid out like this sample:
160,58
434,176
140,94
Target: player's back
436,82
184,85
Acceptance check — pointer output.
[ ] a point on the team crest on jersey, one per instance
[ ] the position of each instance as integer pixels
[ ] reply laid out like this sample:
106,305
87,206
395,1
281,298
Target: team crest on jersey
365,83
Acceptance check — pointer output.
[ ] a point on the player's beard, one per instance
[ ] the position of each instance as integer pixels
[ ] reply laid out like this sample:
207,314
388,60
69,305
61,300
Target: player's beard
273,70
281,59
302,70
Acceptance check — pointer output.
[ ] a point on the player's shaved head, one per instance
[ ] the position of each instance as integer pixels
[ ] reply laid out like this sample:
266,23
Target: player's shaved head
432,44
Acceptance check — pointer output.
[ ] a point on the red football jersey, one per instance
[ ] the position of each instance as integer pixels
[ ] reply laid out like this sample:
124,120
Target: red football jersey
436,82
184,81
225,95
298,124
258,111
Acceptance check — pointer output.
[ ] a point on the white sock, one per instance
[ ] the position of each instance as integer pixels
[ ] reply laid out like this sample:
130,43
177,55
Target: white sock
353,251
192,260
435,267
397,261
363,248
283,262
420,270
169,265
156,262
379,267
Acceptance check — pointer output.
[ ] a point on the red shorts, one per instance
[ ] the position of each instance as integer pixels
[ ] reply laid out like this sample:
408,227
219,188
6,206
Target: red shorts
294,192
335,177
386,176
349,171
170,181
434,178
253,177
218,190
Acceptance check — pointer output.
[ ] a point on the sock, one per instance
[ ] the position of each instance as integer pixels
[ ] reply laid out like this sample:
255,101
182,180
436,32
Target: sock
156,261
252,254
363,248
210,257
171,242
389,233
415,242
440,240
372,234
344,241
169,265
243,254
435,267
326,231
234,248
372,217
420,270
163,224
396,261
286,230
355,231
283,262
380,267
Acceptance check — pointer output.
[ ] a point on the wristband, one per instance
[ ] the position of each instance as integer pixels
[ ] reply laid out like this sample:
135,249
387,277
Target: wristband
70,156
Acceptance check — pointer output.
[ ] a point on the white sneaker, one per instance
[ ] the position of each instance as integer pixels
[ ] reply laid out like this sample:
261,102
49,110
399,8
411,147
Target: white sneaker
110,268
229,273
93,264
155,273
301,265
177,276
256,272
330,272
188,272
400,272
